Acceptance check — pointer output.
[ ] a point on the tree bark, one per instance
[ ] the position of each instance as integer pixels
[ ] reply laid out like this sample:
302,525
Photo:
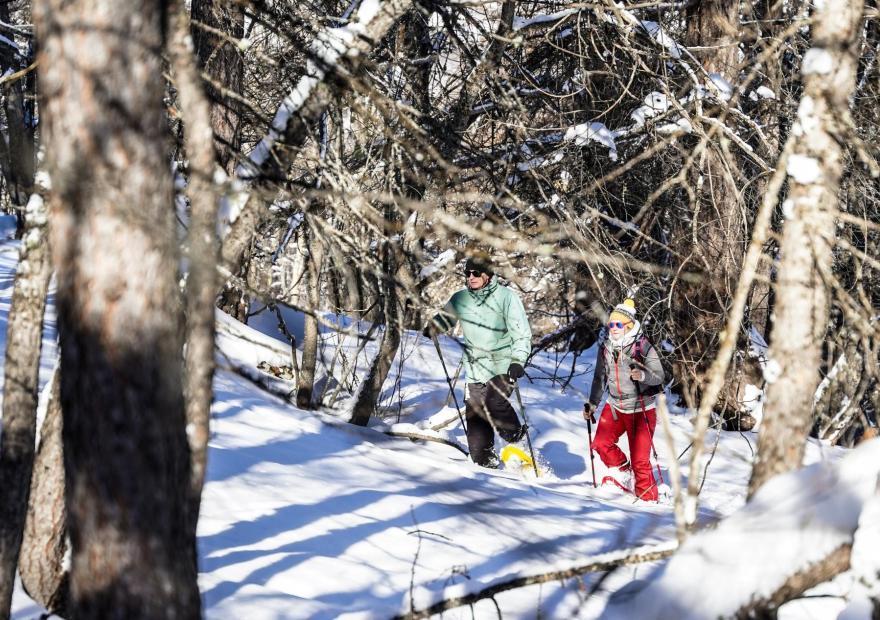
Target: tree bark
42,568
24,336
20,152
824,570
119,313
814,169
203,254
312,281
713,25
371,388
215,27
221,59
769,16
715,239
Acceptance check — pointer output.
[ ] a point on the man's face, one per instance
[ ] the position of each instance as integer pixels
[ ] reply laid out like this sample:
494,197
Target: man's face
476,279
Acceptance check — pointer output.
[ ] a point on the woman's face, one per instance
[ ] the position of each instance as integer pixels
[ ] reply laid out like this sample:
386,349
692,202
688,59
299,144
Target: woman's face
618,328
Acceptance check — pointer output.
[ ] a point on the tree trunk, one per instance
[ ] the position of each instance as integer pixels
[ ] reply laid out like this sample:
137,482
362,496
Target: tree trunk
371,388
20,152
814,170
312,281
715,240
204,248
119,313
713,25
770,16
221,60
41,565
24,336
233,300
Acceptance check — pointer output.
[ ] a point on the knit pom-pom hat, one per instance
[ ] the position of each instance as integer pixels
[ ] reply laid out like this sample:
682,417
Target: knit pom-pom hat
624,312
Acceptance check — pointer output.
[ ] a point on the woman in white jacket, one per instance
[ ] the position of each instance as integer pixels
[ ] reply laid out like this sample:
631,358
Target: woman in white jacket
628,366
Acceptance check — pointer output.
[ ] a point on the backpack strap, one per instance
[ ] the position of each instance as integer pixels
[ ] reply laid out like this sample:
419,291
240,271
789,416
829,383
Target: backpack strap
640,348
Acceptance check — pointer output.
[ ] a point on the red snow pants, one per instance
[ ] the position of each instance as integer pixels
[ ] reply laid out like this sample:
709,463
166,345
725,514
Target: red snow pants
639,435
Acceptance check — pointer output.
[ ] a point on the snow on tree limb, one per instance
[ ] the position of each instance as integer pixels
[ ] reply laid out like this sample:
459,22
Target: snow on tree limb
307,100
704,84
865,563
797,528
810,576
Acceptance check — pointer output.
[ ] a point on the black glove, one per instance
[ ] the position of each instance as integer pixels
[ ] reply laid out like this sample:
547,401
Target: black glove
515,371
430,330
589,410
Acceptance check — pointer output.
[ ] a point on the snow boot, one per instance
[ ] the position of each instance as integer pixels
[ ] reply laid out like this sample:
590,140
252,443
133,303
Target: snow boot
620,477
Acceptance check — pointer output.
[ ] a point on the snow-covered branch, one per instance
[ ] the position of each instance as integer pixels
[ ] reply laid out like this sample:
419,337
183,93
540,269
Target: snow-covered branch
302,107
604,562
795,530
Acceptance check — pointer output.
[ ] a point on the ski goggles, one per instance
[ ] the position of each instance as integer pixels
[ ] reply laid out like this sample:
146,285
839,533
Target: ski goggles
617,324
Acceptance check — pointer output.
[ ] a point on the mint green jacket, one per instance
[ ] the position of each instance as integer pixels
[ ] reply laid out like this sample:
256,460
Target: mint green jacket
495,328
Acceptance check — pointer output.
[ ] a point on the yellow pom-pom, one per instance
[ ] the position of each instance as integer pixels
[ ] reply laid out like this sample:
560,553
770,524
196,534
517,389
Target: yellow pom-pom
625,311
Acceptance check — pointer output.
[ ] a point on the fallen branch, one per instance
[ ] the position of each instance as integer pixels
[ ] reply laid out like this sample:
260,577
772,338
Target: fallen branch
452,417
268,383
824,570
415,436
604,562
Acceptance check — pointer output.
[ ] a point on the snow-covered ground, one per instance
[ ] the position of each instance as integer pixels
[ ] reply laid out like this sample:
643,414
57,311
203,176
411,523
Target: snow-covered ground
305,516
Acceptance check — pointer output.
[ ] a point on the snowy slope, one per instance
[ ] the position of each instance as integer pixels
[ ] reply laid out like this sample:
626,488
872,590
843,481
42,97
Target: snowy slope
305,516
302,506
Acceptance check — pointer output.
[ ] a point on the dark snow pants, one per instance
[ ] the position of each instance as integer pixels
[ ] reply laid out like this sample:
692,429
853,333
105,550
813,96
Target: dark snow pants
485,400
639,429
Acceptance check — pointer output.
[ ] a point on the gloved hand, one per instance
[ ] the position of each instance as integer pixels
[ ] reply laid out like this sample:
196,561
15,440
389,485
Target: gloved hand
430,330
636,374
589,410
515,371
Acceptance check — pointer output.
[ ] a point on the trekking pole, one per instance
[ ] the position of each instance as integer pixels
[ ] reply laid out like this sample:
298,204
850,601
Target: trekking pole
590,446
651,437
448,381
455,379
526,425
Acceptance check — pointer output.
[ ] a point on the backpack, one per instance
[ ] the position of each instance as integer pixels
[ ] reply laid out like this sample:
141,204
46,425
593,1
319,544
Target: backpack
640,348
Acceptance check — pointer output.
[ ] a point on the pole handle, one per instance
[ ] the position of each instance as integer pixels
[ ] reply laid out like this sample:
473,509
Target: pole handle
591,413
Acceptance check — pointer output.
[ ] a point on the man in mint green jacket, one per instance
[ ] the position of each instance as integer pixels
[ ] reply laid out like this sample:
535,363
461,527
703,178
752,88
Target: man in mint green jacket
497,342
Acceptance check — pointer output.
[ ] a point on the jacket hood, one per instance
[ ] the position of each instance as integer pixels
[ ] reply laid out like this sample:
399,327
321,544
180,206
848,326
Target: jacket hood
628,338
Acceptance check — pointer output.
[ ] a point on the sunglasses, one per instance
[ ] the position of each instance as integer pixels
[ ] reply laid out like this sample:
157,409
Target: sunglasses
617,324
473,273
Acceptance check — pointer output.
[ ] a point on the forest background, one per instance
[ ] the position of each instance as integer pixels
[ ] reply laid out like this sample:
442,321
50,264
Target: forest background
714,160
